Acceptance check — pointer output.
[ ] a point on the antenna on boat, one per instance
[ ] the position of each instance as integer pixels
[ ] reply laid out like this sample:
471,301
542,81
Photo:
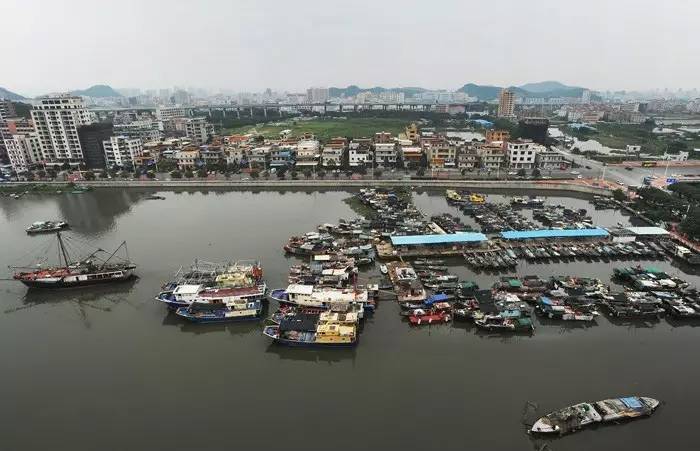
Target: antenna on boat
62,248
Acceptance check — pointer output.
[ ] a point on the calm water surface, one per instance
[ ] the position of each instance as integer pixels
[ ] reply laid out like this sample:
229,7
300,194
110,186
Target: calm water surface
109,368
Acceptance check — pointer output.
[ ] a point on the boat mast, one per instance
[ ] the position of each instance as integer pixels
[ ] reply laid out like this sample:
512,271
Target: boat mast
62,247
113,253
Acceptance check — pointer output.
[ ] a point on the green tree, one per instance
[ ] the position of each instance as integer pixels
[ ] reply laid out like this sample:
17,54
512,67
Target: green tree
423,160
89,175
176,174
399,161
619,195
151,174
202,173
41,173
188,173
377,172
307,173
254,174
420,172
536,173
521,173
321,173
281,174
294,174
691,223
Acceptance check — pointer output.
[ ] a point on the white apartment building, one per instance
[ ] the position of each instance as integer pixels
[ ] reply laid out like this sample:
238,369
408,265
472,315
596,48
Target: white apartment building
146,130
56,121
167,113
317,95
198,130
23,151
522,154
308,153
331,156
359,155
550,159
120,151
385,154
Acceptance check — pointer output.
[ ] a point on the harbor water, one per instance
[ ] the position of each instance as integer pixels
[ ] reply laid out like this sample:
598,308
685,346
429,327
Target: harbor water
109,368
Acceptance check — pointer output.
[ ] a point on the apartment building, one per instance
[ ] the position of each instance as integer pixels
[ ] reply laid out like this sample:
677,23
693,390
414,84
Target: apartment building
522,154
491,156
441,155
167,113
506,104
385,154
187,159
121,151
23,151
308,153
497,135
360,154
56,121
198,130
467,158
331,157
548,159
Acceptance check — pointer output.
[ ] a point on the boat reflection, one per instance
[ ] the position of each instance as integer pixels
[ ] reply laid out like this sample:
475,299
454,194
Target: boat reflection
312,355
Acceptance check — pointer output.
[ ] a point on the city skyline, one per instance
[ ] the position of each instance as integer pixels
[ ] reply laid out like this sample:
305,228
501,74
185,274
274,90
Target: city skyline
245,48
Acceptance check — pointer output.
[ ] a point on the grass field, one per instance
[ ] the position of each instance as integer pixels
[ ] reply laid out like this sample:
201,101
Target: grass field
327,128
617,136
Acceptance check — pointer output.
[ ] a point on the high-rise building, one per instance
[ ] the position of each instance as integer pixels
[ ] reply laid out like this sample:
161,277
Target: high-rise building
317,95
92,139
56,120
166,113
121,151
23,151
198,130
7,109
506,104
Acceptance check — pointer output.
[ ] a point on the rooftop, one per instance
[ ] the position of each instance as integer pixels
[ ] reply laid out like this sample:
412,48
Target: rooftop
450,238
554,233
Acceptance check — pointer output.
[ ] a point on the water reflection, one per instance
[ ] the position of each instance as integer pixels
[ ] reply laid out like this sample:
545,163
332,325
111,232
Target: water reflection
312,355
100,298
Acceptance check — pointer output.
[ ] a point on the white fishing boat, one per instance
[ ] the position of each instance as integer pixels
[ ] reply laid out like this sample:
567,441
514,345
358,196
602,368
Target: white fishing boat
573,418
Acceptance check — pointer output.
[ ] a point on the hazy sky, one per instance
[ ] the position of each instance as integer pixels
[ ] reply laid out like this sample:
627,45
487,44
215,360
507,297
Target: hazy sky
290,45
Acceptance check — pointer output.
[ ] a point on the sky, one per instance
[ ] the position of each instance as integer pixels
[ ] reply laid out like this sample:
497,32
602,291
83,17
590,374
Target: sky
241,45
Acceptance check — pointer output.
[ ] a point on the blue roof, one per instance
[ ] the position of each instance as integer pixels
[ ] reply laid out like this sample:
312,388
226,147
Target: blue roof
436,298
450,238
554,233
483,122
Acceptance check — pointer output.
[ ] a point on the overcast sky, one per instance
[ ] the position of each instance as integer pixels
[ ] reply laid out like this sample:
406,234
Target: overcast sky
242,45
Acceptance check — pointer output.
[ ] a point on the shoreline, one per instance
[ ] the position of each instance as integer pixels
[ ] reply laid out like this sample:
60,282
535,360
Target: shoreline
464,184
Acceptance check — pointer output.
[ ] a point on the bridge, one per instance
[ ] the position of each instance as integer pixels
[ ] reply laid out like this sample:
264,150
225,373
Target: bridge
249,109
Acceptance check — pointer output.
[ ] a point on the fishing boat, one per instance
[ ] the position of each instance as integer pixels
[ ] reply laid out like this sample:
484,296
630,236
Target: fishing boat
422,317
98,267
323,297
204,282
573,418
309,330
46,227
221,310
155,197
500,323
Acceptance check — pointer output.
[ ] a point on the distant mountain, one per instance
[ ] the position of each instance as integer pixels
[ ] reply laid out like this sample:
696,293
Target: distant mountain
544,89
354,90
480,92
545,86
97,91
9,95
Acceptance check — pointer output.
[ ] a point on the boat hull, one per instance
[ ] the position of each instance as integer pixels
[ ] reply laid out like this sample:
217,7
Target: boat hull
306,344
209,319
62,283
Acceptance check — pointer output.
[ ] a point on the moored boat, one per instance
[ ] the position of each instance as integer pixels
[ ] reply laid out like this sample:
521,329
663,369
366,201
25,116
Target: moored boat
46,227
573,418
99,267
314,330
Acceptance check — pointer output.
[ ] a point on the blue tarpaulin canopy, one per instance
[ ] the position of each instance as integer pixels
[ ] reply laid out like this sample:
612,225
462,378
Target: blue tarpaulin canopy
554,233
436,298
632,403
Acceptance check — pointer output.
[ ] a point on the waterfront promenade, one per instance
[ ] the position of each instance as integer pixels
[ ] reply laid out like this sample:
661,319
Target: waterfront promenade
577,186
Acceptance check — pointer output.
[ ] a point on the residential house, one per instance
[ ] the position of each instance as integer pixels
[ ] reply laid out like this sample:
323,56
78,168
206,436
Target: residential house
549,159
441,155
385,154
491,156
308,153
411,154
281,156
522,154
360,153
331,157
187,159
467,157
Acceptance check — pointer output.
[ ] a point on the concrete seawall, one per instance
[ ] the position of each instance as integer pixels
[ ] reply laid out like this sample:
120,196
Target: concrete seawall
339,184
